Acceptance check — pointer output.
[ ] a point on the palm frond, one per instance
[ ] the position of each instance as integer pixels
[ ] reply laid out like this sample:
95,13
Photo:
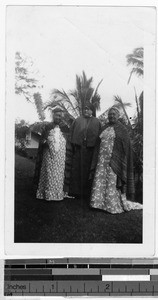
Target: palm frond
121,104
95,98
118,99
136,60
64,101
58,103
82,93
86,83
131,60
74,94
139,51
96,101
126,104
137,71
78,85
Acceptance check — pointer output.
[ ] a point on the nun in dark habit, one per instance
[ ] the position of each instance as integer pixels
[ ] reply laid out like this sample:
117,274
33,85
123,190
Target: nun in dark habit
85,132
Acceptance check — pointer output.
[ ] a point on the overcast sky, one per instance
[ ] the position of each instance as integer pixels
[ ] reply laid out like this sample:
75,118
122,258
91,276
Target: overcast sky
63,41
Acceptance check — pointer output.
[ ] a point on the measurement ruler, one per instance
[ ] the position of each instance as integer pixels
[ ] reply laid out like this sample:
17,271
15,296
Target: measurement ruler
77,277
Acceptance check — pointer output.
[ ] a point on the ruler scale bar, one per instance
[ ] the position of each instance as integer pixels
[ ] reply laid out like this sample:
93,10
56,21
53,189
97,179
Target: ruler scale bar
89,286
77,277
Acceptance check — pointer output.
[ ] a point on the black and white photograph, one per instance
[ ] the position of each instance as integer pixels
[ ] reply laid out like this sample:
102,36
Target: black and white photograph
80,125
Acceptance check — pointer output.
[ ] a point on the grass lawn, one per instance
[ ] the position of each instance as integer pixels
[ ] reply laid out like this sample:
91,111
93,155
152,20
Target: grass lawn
67,221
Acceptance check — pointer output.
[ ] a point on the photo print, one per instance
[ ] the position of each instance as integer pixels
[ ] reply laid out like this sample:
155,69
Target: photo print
80,129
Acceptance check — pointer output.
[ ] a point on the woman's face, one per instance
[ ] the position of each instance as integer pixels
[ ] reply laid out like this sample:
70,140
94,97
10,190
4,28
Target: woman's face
87,112
113,116
57,117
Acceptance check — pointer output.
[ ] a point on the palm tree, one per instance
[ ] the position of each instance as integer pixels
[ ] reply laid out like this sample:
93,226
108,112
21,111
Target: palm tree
136,60
84,92
74,102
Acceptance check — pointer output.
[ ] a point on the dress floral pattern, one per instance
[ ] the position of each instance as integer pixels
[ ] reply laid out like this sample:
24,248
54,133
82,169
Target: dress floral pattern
105,195
51,179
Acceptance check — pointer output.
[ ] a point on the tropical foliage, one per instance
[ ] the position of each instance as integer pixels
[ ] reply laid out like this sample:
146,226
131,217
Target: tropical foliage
135,59
138,136
24,76
27,82
122,105
73,102
61,99
84,92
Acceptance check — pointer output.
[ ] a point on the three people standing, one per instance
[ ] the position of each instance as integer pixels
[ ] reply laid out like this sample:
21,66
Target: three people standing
113,181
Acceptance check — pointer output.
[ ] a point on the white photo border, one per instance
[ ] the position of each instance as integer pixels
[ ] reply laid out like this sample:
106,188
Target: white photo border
147,248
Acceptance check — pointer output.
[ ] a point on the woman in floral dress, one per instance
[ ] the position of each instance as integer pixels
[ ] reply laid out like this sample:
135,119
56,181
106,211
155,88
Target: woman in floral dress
52,152
114,180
